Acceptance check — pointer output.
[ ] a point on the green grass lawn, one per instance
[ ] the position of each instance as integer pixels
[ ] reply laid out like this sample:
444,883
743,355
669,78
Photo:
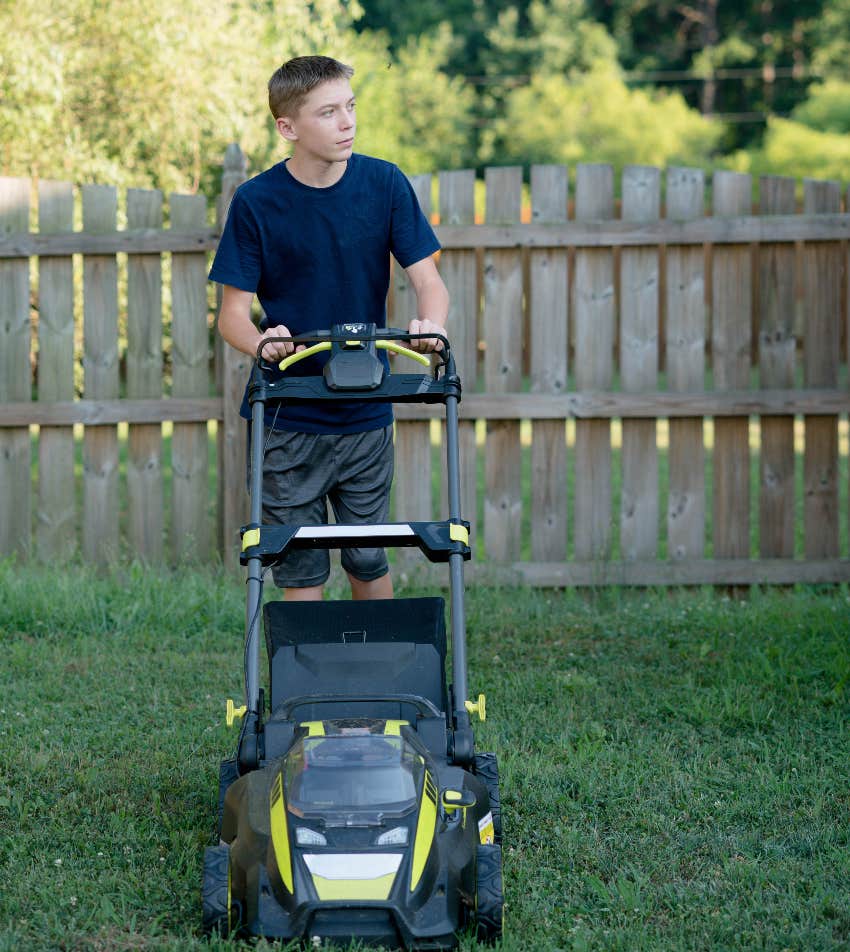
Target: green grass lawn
674,765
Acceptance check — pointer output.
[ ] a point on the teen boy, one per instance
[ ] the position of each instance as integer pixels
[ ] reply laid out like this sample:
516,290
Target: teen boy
312,238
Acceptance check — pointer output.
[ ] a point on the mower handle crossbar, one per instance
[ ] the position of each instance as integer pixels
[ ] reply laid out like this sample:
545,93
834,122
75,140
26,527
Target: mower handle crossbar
396,388
437,540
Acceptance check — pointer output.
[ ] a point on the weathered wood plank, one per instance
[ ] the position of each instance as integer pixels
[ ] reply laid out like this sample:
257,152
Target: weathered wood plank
822,307
502,331
55,516
231,376
191,535
731,345
412,438
601,234
588,405
100,412
620,234
549,319
15,481
594,366
100,362
777,360
735,572
685,346
639,331
109,242
459,270
146,520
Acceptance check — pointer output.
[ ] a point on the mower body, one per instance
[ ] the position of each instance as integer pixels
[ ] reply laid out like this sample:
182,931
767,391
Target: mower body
357,809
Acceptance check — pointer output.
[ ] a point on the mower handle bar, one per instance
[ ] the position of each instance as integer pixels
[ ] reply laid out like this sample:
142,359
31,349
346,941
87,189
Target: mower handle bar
322,340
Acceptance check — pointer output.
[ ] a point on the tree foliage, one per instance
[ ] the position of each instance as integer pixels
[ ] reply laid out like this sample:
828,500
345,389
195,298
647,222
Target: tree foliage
150,94
595,117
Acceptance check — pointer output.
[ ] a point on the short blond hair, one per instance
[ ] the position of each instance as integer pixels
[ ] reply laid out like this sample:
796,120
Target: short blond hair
290,83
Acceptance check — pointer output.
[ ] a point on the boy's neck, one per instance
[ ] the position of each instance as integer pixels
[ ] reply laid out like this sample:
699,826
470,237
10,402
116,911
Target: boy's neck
317,173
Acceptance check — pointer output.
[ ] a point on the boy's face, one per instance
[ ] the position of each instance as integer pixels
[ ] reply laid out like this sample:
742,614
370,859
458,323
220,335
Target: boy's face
325,124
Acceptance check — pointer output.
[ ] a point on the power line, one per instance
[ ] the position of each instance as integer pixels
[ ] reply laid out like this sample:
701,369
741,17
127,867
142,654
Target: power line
767,73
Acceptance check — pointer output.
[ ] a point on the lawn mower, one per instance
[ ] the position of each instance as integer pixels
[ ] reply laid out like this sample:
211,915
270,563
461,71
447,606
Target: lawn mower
356,807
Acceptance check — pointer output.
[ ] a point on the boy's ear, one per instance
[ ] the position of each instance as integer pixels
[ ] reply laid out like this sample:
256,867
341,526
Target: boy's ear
285,128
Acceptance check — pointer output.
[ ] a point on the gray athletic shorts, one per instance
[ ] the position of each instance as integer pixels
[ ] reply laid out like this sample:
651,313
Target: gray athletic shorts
302,472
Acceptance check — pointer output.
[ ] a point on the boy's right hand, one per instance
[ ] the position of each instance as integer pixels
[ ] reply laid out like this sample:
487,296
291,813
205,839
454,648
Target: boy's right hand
280,349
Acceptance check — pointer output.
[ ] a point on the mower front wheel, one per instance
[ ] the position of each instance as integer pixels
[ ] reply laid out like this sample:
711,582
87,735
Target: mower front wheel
487,768
219,915
489,898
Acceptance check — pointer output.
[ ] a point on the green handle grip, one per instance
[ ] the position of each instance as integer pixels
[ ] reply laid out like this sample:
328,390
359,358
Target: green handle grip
301,354
404,351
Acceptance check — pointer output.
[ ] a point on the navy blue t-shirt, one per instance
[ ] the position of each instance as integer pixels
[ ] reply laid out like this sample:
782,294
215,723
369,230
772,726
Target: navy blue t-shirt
321,256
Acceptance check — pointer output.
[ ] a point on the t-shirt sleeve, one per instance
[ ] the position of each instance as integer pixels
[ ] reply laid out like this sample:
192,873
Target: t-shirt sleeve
411,236
238,256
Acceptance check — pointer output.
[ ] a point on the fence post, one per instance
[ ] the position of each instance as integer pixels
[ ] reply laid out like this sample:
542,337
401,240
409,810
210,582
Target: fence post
15,490
55,516
100,320
730,349
232,436
549,320
503,331
822,303
777,360
639,300
685,349
594,365
144,380
190,365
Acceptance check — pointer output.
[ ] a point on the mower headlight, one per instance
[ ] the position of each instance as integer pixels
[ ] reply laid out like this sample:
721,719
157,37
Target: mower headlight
304,836
397,836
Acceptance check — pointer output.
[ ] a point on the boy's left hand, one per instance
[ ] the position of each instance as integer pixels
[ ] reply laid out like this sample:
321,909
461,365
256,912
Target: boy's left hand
426,345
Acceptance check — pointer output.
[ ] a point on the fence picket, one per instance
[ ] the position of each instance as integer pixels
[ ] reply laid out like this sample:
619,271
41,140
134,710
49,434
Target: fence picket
777,360
232,370
144,380
412,437
549,321
730,347
459,270
100,323
16,492
502,331
56,506
191,536
685,349
594,351
822,303
639,300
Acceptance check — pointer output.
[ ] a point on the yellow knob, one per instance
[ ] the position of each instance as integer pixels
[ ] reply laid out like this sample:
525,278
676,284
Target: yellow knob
479,708
234,712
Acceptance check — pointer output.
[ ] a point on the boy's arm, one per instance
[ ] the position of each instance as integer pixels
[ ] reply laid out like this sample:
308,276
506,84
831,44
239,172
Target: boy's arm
237,328
432,304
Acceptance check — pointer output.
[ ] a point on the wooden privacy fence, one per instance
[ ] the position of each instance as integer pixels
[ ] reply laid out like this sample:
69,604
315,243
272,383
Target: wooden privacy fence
655,376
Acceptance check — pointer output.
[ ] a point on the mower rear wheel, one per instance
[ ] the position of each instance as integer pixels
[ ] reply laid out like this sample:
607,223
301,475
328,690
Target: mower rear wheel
216,900
487,768
489,892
